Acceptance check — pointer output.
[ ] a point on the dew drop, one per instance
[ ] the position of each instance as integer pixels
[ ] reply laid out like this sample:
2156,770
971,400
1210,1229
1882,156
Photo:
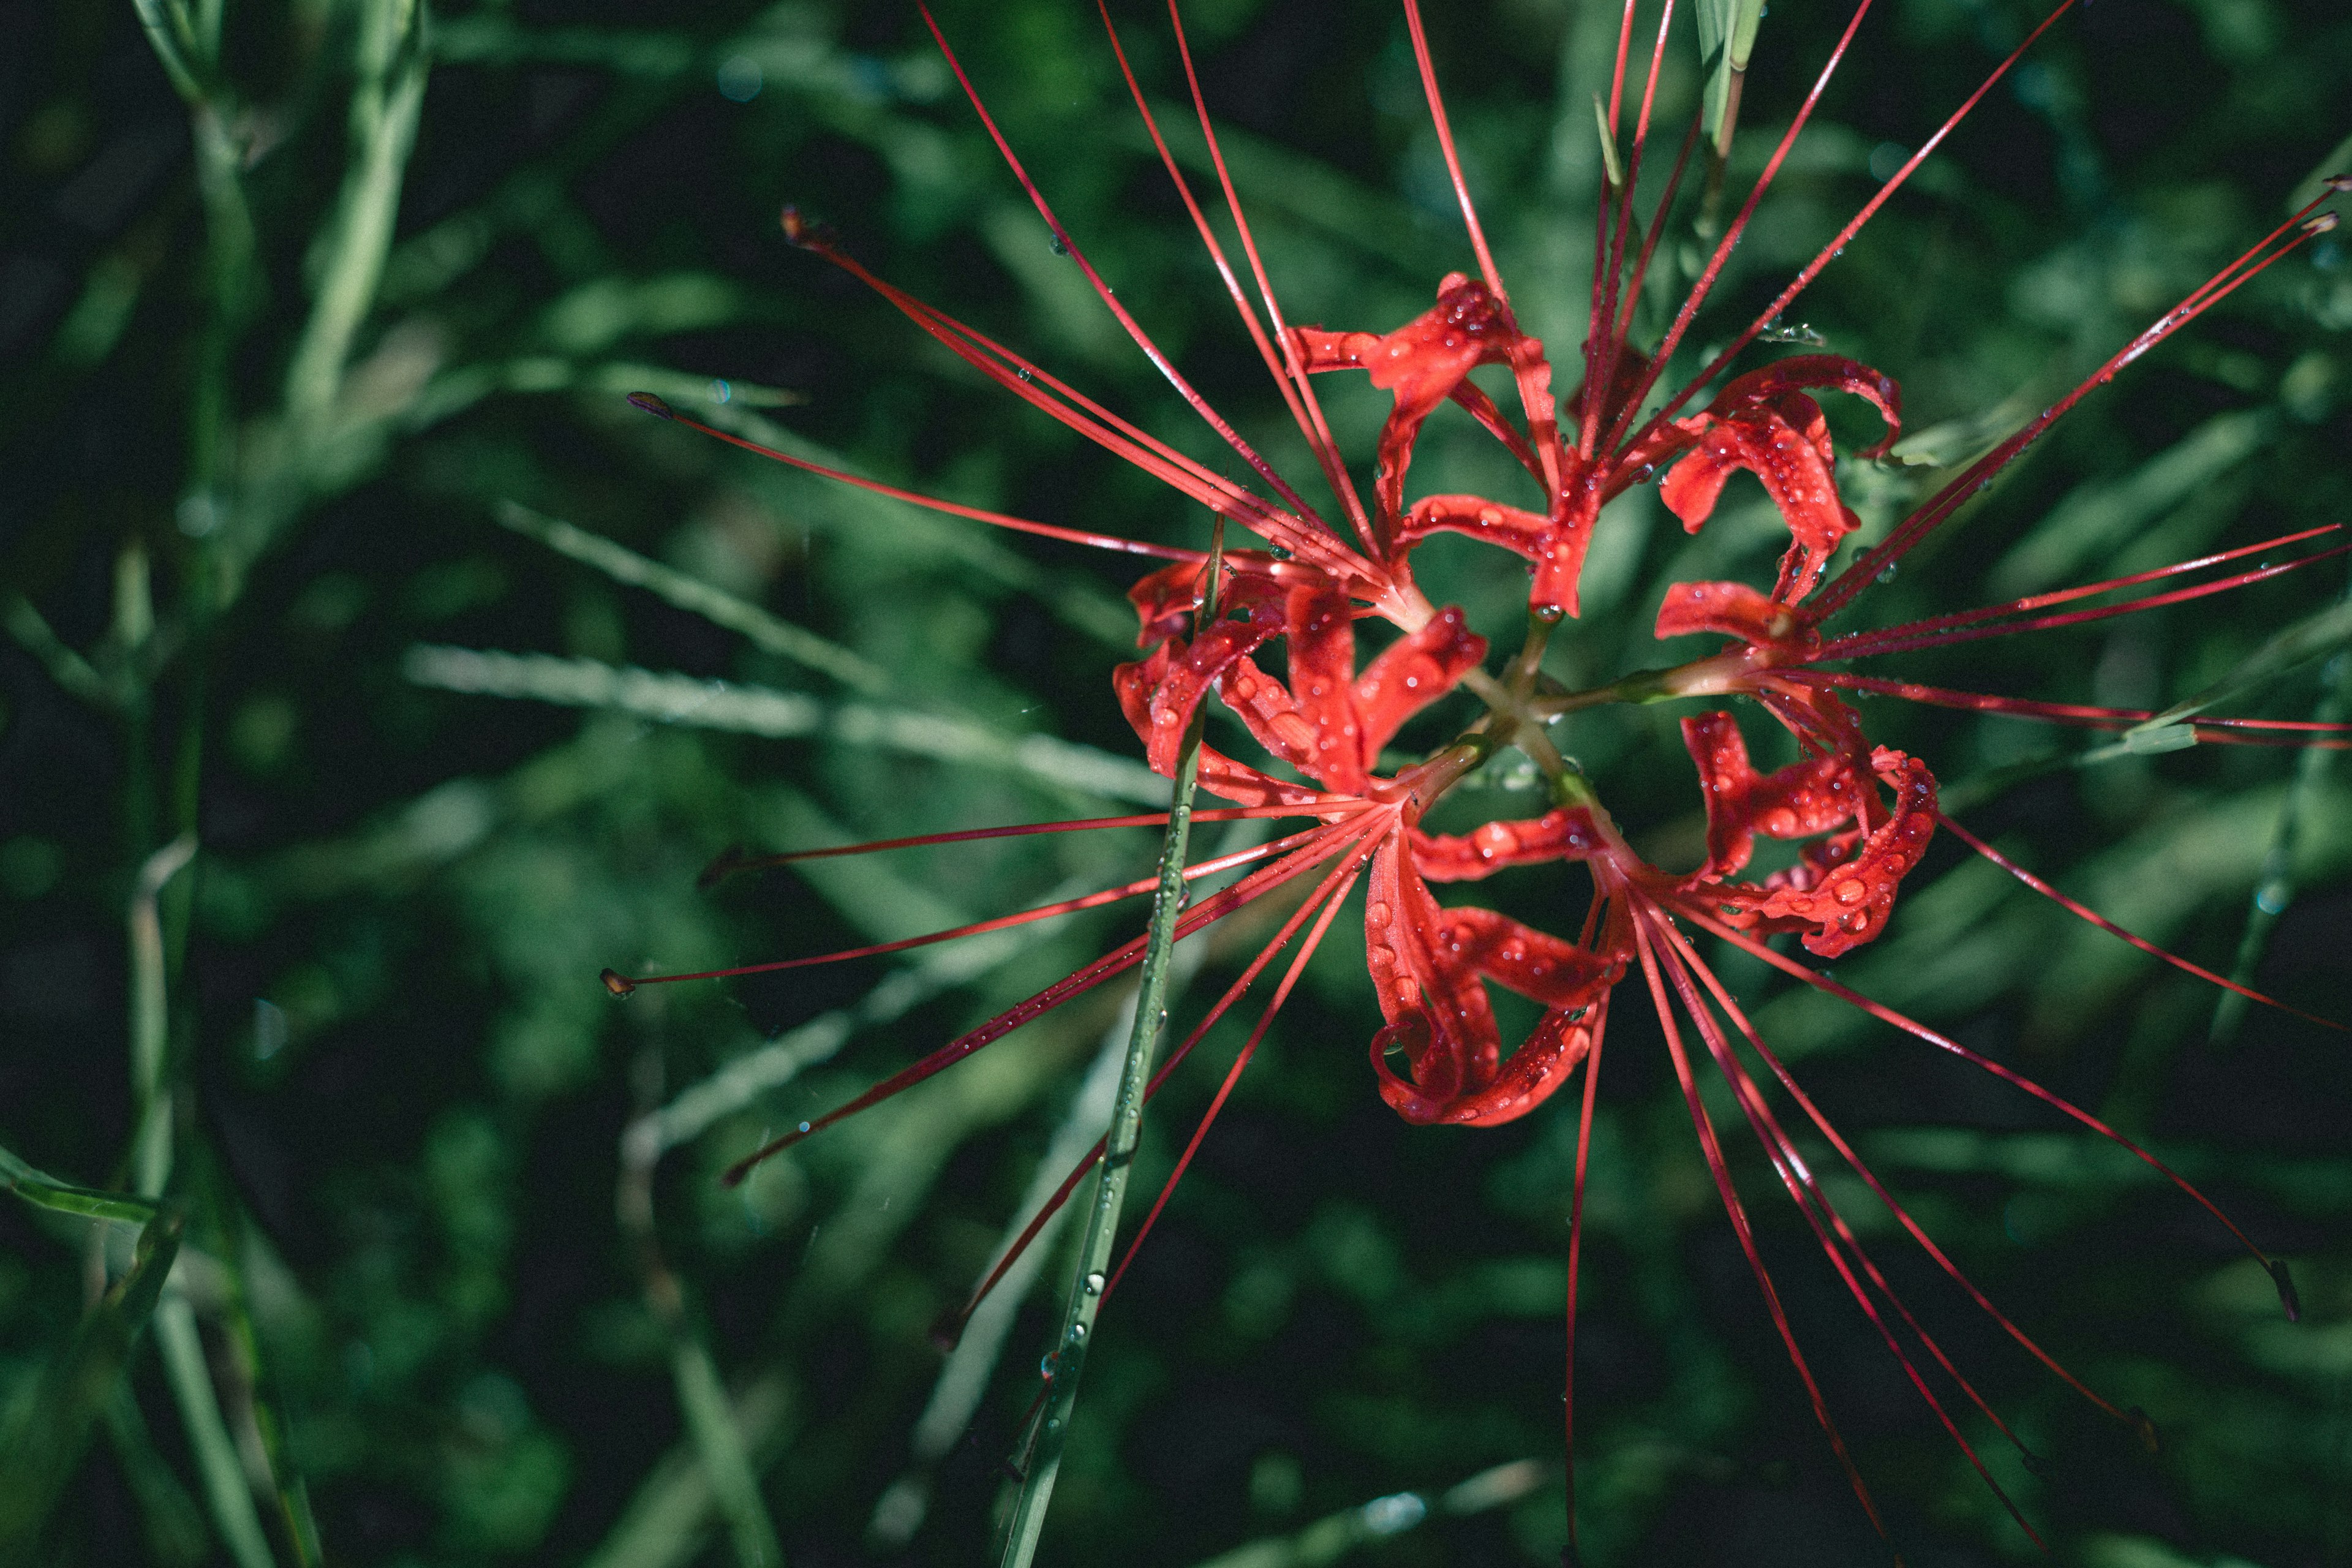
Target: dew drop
1059,248
1094,1283
804,1126
1077,1332
1888,573
1028,375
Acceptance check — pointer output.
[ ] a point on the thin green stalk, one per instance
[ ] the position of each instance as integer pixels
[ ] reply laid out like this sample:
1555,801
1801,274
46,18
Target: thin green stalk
2275,888
1067,1359
393,65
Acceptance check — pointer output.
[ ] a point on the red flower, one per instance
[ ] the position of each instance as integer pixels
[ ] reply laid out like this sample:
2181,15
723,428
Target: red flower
1864,813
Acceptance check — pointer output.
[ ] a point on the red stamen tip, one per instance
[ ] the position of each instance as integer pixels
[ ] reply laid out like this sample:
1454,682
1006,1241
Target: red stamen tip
652,405
2288,1299
730,860
2146,1429
618,983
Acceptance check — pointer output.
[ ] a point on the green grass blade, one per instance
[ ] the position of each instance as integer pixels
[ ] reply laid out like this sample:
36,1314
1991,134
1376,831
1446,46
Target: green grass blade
43,1449
770,633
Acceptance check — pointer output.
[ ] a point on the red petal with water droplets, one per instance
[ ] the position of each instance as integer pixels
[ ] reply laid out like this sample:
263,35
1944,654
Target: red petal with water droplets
1733,609
1833,372
1807,797
1421,363
1563,834
1412,672
1784,443
1839,903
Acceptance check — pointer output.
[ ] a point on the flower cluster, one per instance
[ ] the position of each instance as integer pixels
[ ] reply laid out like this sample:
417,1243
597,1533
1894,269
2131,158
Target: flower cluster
1216,624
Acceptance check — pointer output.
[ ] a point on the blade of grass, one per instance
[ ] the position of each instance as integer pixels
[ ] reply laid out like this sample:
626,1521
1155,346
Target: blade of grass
763,710
392,60
1337,1535
2275,888
772,634
41,1453
1067,1358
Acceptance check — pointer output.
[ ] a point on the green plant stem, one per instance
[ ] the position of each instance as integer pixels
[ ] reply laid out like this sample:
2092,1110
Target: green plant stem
1068,1357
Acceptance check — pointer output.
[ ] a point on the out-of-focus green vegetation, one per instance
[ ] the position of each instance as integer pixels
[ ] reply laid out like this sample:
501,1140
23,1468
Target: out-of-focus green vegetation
375,675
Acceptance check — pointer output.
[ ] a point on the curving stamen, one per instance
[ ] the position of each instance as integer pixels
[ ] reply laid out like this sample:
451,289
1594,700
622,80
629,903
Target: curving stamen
2066,596
1711,1148
1835,1237
1885,1014
653,405
1134,329
1937,509
2075,907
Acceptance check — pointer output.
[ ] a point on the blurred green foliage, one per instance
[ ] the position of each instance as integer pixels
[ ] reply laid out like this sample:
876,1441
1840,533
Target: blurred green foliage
375,676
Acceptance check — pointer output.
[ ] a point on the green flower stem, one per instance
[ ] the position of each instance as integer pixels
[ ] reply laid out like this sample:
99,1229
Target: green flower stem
1067,1358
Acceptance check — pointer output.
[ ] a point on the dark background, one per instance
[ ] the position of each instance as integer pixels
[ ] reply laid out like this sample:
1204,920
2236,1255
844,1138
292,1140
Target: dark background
435,1330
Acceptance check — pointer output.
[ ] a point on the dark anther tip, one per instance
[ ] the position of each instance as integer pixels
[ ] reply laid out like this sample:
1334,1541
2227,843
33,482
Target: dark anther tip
732,1176
618,983
652,405
2036,1465
947,1330
2288,1299
2146,1429
728,861
802,230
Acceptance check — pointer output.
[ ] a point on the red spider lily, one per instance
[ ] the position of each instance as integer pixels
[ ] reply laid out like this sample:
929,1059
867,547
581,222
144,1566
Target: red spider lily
1862,814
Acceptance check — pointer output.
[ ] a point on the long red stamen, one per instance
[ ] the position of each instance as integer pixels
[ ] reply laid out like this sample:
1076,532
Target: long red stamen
1321,437
1715,265
1142,340
1070,1183
1920,1031
621,984
652,405
1797,1178
1933,512
729,865
1576,1231
2076,906
2084,591
1624,328
2278,731
1055,397
1116,961
1828,252
1901,639
1444,128
1318,439
1902,1217
1718,1167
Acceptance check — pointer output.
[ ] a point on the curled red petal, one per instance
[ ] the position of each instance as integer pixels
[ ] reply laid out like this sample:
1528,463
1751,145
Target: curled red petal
1807,797
1795,473
1845,899
1733,609
1412,672
1421,363
1140,683
1833,372
1562,834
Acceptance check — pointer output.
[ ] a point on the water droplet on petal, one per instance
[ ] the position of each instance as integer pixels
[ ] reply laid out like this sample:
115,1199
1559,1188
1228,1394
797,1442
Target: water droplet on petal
1094,1283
